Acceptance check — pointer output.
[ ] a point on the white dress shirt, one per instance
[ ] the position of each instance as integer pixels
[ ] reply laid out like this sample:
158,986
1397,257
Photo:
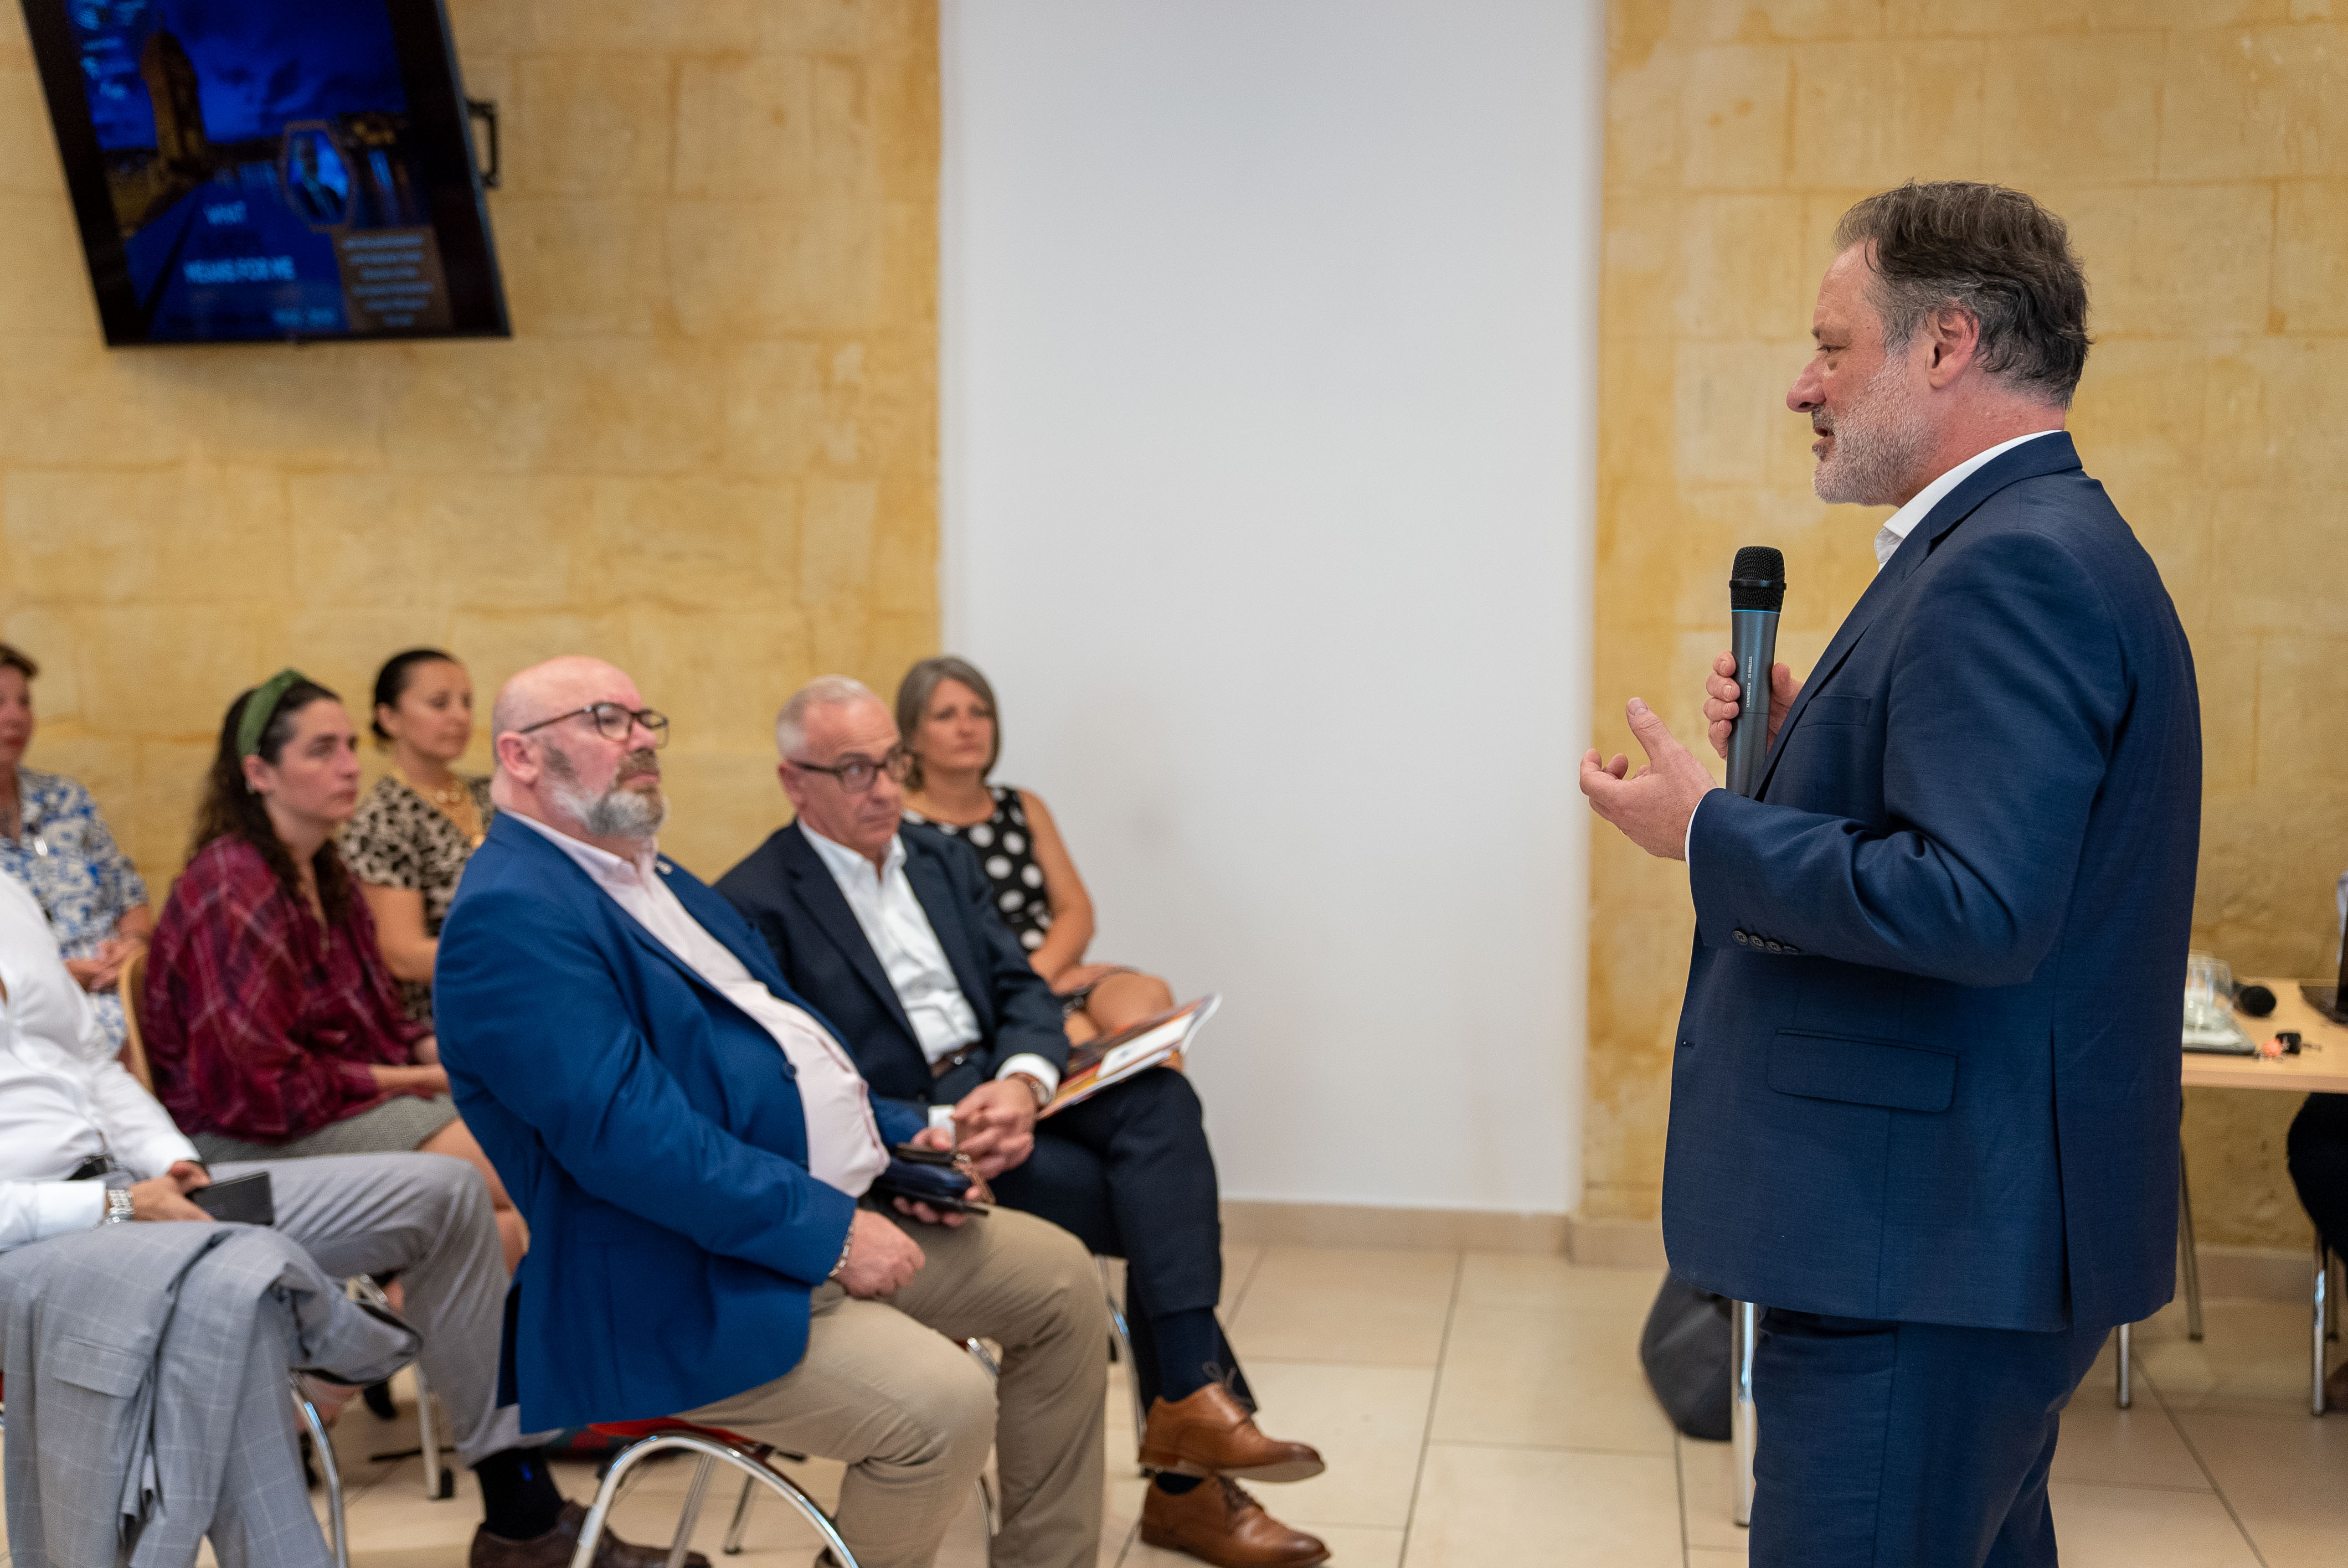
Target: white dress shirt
63,1095
911,955
844,1145
1894,532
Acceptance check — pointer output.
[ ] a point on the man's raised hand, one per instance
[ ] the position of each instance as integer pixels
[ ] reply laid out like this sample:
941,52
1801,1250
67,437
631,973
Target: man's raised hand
1652,806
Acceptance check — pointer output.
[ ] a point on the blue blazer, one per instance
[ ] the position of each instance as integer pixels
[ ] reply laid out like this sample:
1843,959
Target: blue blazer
787,892
1928,1068
649,1131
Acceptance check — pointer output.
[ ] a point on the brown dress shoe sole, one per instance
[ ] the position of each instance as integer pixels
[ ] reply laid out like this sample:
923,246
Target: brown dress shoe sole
1271,1475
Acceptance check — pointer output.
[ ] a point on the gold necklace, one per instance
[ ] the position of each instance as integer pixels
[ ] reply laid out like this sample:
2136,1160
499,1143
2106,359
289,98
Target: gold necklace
455,803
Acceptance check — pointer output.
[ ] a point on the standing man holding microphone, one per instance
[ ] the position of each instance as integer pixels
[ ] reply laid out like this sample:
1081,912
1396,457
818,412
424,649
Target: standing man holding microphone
1925,1094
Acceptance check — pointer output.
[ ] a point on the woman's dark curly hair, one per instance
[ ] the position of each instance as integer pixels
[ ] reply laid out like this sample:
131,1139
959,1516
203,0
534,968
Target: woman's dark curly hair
232,810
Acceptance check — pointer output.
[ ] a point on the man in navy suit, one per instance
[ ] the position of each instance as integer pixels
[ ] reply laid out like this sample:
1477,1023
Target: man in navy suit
891,929
1925,1094
689,1142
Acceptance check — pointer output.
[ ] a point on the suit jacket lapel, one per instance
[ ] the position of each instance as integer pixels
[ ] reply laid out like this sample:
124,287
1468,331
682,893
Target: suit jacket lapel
559,865
2053,453
936,897
820,897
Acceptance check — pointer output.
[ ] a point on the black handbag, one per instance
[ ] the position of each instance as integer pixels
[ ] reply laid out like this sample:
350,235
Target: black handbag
1686,1349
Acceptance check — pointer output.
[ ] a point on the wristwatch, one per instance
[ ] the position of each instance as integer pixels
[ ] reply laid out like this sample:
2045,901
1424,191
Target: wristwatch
1035,1087
118,1206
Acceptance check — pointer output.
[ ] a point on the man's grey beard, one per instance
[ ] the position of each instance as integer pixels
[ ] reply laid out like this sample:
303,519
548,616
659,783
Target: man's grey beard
616,813
1879,442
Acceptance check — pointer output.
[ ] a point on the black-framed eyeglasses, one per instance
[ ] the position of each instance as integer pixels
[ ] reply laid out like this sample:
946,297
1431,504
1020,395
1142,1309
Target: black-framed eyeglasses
611,721
856,773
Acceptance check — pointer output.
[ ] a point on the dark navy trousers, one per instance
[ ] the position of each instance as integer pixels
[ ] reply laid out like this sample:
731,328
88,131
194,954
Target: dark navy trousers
1907,1445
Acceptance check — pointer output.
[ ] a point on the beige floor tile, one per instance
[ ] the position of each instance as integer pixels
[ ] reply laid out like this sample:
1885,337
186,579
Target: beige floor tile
1533,1279
1708,1494
1366,1307
1555,1379
2287,1476
1350,1546
2254,1355
1715,1556
2145,1527
1368,1422
2139,1447
1478,1506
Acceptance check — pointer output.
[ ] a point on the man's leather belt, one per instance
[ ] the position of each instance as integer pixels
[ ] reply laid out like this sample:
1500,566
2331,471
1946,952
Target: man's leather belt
946,1064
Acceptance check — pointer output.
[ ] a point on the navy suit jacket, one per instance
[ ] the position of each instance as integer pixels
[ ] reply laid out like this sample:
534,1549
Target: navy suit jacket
787,892
1928,1067
649,1131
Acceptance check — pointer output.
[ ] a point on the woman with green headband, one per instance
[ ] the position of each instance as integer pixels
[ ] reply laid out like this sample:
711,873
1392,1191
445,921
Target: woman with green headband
273,1028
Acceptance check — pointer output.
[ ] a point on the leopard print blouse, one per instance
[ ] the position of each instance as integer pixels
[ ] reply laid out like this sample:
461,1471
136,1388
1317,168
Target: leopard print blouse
400,839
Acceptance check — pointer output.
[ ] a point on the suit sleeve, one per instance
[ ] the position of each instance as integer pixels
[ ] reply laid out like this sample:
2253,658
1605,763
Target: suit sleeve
1026,1014
2005,698
532,1019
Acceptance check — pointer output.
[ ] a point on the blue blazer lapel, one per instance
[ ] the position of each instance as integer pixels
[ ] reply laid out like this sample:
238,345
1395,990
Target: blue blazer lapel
935,893
820,897
2052,454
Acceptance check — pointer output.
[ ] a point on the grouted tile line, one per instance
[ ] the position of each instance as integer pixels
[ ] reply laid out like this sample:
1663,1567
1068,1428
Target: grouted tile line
2207,1473
1434,1399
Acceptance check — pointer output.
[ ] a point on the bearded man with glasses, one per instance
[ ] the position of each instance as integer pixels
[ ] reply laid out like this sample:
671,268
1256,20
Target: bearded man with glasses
890,929
690,1143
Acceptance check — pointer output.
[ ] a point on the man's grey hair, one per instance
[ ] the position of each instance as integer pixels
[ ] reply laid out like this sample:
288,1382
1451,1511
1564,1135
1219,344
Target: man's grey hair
823,691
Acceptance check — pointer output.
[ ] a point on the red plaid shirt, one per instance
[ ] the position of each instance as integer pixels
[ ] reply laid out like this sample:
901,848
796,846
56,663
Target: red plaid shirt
258,1024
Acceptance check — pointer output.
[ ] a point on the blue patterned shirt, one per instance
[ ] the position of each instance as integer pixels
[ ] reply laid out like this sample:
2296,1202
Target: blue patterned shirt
80,877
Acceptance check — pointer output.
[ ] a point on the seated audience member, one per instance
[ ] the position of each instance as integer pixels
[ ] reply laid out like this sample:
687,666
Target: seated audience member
946,711
53,840
692,1145
889,932
87,1147
410,839
273,1028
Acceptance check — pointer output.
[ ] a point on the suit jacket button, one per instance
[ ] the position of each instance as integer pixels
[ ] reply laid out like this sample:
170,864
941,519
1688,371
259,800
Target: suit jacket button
1742,938
1793,949
1776,947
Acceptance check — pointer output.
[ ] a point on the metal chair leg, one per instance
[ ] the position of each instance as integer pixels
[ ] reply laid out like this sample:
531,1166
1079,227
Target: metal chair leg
324,1446
2322,1313
690,1516
1122,1344
1745,1422
2126,1394
439,1482
592,1532
2190,1263
732,1547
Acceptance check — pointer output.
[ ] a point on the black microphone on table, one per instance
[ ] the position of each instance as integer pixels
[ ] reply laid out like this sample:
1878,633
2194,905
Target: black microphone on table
1756,592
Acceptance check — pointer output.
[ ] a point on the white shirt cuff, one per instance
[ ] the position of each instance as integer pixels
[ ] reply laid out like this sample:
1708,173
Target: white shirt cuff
1687,844
155,1155
62,1207
1034,1067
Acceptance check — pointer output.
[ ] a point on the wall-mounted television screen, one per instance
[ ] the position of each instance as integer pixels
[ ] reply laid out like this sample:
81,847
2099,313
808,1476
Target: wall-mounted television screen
269,169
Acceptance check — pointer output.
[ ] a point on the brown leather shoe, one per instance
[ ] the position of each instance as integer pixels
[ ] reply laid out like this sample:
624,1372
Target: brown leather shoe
1211,1433
553,1549
1218,1523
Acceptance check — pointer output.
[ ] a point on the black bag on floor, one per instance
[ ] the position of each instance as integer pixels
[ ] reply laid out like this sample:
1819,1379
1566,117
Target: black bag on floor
1685,1348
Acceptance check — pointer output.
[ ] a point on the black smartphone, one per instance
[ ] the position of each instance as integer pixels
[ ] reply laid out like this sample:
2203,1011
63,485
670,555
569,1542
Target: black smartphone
245,1199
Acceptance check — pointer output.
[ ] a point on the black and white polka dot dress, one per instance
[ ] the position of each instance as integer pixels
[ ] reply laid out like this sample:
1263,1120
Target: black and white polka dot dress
1009,855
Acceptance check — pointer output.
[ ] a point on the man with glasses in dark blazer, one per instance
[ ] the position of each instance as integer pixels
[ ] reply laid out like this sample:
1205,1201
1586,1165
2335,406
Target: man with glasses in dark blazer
889,930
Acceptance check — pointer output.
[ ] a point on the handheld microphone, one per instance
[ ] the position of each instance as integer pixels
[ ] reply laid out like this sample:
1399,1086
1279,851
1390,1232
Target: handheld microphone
1756,592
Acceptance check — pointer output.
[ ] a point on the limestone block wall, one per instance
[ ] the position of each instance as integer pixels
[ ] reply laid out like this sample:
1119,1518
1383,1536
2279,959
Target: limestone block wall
708,453
2200,151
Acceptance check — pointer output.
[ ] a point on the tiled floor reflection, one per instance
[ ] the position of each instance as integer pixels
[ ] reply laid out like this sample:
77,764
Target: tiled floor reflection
1484,1408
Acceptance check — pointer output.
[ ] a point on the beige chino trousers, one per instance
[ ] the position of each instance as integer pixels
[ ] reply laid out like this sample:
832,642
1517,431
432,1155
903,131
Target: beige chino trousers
887,1388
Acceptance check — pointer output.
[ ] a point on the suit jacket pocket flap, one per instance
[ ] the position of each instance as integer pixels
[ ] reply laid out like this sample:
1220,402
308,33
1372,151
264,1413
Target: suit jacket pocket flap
101,1368
1862,1071
1826,710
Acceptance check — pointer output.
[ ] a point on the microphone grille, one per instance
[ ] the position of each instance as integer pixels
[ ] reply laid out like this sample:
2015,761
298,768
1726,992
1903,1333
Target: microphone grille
1757,581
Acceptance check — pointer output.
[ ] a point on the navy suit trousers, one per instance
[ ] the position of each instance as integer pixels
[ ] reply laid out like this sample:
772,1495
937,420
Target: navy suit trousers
1129,1173
1908,1445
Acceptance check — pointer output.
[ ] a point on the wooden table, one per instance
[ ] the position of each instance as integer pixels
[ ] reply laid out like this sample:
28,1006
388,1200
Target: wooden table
2319,1068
